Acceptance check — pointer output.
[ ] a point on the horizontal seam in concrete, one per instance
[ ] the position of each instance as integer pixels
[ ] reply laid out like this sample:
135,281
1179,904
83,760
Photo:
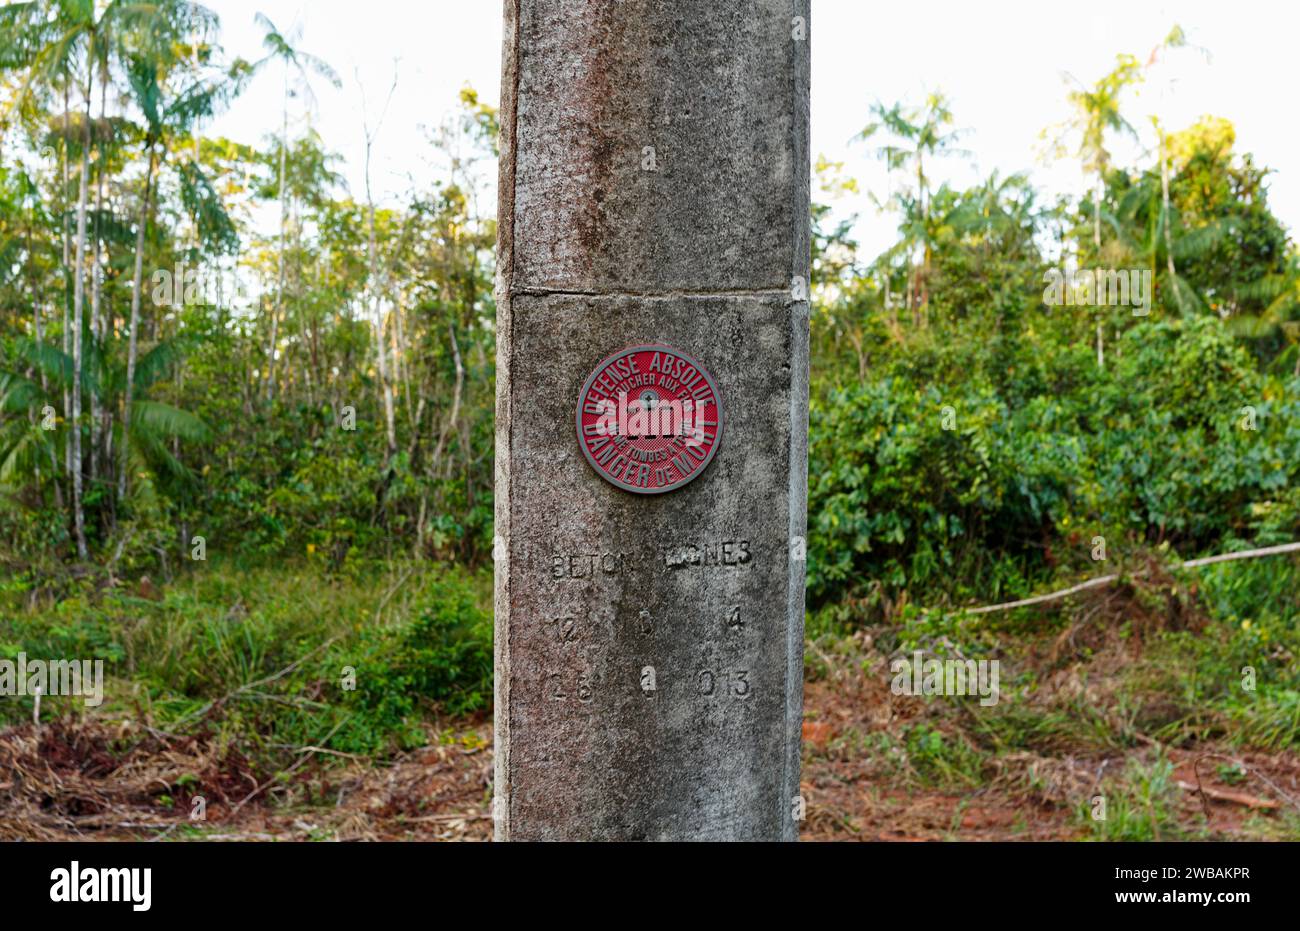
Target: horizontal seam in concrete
658,295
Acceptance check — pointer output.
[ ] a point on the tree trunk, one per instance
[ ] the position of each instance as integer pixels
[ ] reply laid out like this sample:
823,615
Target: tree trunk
455,398
78,307
96,321
137,279
40,342
372,252
279,291
385,388
67,272
1096,241
36,298
1096,214
377,312
1169,233
923,283
889,196
400,375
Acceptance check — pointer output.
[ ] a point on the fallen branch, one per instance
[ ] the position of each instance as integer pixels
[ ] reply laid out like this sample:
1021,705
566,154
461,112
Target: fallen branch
117,552
1054,596
1243,554
383,602
308,752
1222,795
440,818
1107,579
1196,768
253,685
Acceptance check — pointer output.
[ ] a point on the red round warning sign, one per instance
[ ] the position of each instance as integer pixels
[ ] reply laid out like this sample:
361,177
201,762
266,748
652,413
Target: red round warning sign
649,419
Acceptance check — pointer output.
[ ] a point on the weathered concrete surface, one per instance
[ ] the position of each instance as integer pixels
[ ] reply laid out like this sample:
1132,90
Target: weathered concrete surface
707,253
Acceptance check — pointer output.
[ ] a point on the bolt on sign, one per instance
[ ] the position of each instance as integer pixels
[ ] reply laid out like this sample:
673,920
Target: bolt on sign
649,419
652,418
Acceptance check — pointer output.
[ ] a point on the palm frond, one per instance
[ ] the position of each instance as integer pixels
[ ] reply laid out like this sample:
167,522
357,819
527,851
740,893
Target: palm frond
1192,244
151,452
26,449
54,362
1186,298
153,419
1267,288
158,363
18,394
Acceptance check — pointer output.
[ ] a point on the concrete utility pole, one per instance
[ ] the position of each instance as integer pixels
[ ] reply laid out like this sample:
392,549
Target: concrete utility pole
652,409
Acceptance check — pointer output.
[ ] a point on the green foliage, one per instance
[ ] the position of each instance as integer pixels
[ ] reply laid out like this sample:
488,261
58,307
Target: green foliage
1139,807
258,654
442,656
941,759
969,472
243,367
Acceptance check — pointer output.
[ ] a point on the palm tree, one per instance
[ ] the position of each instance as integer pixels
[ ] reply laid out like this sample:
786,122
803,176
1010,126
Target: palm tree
34,41
1282,291
1096,114
892,121
281,48
25,444
917,134
146,74
62,48
61,44
1176,39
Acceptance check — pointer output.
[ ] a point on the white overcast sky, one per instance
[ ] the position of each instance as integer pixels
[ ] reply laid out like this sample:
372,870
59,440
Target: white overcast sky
1003,64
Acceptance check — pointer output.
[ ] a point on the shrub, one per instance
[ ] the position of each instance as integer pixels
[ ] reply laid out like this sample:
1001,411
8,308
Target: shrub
442,657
